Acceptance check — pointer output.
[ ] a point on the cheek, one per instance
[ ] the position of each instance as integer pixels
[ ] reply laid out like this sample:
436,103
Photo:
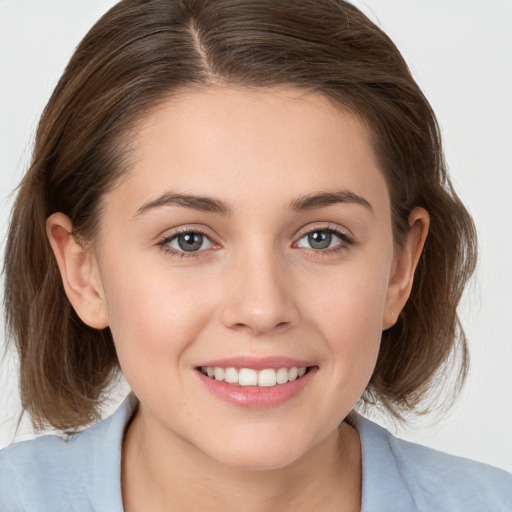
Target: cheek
350,298
352,329
349,314
154,316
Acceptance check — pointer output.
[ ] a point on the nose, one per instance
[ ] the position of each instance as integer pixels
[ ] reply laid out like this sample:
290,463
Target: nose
259,298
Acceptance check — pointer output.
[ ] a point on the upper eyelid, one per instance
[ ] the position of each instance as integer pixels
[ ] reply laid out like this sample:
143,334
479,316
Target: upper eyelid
164,242
328,226
320,226
174,232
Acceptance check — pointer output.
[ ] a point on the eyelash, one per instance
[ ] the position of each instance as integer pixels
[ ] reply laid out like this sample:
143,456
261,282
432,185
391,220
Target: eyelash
343,245
164,243
346,241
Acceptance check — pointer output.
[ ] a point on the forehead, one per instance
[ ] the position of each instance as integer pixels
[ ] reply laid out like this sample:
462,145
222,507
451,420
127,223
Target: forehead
230,142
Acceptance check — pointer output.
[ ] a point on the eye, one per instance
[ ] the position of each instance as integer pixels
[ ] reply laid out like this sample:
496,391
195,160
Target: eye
321,239
190,241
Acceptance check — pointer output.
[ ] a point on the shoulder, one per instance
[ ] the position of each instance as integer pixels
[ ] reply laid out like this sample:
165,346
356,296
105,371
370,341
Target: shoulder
440,480
37,471
427,479
50,473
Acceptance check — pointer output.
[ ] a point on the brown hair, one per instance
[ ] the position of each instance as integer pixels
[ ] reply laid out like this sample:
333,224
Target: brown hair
141,52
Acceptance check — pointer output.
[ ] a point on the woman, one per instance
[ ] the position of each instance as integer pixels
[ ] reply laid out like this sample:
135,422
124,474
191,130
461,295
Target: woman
241,205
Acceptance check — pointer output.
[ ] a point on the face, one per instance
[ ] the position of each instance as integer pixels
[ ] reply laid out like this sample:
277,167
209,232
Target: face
250,239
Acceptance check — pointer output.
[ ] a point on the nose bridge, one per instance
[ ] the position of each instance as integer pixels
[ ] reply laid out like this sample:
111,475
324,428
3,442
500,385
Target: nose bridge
259,298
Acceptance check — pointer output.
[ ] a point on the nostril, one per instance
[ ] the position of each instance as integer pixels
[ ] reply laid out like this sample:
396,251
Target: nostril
260,326
252,312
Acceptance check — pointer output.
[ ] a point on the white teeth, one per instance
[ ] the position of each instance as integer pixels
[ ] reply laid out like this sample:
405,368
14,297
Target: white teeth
219,373
267,378
293,373
249,377
282,375
231,375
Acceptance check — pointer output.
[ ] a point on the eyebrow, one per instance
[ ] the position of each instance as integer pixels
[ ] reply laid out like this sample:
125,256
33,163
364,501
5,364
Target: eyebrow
212,205
200,203
323,199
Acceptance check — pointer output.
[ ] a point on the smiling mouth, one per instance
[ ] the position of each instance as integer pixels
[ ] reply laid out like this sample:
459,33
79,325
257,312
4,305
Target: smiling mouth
267,377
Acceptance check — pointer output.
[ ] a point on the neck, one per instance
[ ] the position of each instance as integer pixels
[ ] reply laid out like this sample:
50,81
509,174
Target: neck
161,472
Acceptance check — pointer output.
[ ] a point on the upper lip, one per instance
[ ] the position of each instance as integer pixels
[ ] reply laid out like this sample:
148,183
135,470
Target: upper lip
257,363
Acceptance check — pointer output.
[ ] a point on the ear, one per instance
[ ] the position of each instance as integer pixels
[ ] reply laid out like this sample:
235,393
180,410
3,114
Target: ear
406,260
79,271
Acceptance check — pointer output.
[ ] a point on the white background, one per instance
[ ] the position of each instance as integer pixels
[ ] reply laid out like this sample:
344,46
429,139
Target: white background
460,52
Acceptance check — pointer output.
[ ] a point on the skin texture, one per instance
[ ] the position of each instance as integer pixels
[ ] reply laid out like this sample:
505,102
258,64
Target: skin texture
256,288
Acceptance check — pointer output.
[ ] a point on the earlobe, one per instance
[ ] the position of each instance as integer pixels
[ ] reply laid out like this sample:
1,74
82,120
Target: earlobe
402,277
79,272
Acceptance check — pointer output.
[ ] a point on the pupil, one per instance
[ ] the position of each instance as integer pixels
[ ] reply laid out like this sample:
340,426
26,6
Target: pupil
190,241
320,239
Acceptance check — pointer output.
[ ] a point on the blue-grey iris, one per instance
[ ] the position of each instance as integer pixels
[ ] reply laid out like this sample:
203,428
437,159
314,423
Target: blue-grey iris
320,239
190,241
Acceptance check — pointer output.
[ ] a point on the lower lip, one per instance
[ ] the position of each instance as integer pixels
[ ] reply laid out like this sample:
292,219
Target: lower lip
257,397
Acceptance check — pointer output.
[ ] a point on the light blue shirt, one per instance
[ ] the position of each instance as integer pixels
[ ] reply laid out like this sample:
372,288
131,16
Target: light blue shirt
83,474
